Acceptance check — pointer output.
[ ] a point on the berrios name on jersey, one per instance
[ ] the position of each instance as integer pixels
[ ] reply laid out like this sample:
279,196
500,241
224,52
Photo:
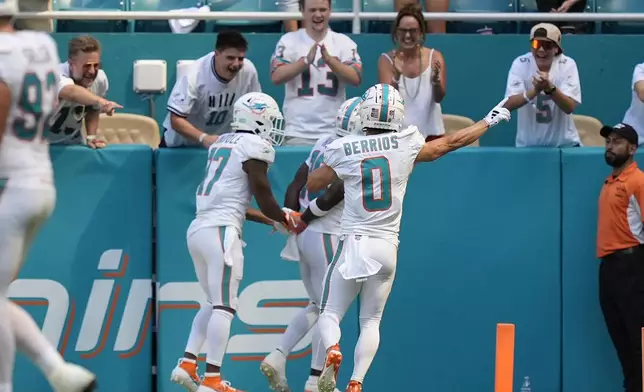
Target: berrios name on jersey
329,223
206,100
375,170
67,124
29,67
224,194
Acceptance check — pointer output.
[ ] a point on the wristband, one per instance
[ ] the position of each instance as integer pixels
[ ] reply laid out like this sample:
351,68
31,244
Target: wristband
91,138
202,136
552,90
313,206
525,96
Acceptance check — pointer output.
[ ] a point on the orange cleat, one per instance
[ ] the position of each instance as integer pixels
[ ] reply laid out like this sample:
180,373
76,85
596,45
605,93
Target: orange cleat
329,377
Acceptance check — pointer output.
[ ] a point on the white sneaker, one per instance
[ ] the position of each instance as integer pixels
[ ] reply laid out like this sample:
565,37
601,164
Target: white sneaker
185,374
72,378
273,367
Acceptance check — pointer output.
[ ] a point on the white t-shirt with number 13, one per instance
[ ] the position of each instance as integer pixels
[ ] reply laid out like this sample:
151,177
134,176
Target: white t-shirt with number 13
541,123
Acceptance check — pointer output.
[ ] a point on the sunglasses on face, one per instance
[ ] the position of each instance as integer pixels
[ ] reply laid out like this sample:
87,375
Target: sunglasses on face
403,32
546,45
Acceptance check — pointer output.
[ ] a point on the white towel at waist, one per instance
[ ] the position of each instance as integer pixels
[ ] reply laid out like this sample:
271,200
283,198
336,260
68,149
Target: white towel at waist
356,264
290,251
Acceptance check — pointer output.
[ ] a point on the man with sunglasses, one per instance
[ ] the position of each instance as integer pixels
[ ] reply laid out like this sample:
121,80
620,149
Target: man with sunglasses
82,69
544,86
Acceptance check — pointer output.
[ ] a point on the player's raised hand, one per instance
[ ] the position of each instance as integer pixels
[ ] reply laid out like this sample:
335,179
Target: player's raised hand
497,114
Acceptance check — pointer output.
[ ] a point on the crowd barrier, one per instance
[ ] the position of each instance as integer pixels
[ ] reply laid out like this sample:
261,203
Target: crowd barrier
489,235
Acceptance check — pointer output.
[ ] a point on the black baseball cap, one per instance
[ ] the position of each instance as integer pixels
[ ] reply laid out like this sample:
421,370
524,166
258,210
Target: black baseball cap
624,130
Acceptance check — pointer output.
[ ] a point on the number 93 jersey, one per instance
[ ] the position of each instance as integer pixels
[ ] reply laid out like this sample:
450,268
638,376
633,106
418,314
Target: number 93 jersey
375,170
29,67
224,194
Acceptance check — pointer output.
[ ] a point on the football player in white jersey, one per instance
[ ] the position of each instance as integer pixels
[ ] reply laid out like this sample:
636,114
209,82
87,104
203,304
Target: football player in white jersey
201,103
375,169
83,69
28,94
316,64
316,247
543,85
236,170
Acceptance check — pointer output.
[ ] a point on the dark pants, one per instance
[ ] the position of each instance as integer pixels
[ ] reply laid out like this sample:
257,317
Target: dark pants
621,296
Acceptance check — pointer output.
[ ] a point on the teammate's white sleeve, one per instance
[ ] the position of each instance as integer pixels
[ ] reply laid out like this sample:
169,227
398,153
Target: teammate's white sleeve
284,53
571,85
64,82
515,83
184,95
638,74
417,141
349,54
257,148
335,158
5,63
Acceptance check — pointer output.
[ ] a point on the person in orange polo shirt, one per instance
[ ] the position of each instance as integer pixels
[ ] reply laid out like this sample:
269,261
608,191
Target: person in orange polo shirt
620,239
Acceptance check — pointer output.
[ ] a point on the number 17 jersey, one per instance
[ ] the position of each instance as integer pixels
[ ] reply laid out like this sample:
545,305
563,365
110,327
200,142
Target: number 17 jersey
375,170
224,194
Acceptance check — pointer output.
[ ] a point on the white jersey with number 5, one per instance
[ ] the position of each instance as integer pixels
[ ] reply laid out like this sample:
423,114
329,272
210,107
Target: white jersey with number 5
541,122
224,194
312,99
206,100
29,67
329,223
66,125
375,170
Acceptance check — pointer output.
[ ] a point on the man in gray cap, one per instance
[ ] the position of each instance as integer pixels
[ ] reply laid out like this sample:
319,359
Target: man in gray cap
620,239
548,82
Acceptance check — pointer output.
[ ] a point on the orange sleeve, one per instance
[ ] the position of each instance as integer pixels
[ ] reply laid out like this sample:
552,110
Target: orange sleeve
639,195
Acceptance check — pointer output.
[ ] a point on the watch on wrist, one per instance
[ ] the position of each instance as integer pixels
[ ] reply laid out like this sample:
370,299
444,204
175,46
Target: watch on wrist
552,90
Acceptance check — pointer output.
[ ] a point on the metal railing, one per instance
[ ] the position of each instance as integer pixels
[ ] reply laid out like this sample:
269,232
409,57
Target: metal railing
356,17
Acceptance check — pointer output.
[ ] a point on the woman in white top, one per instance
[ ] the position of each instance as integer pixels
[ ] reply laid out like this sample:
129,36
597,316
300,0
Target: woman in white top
418,72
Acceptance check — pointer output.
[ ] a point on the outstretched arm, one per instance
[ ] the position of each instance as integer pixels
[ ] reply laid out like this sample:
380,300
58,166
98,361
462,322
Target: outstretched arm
261,189
437,148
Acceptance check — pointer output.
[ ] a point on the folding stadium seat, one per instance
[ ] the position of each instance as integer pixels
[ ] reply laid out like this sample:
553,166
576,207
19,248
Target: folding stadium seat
128,128
162,26
588,128
90,26
482,6
250,26
531,6
628,6
454,123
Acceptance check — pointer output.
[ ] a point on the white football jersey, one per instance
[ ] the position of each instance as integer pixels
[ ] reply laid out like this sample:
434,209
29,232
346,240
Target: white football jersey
312,99
206,100
541,122
224,194
66,125
29,67
634,116
375,170
329,223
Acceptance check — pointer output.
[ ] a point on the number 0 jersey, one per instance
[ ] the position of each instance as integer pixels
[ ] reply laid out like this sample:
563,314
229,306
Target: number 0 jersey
375,170
329,223
224,194
29,67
